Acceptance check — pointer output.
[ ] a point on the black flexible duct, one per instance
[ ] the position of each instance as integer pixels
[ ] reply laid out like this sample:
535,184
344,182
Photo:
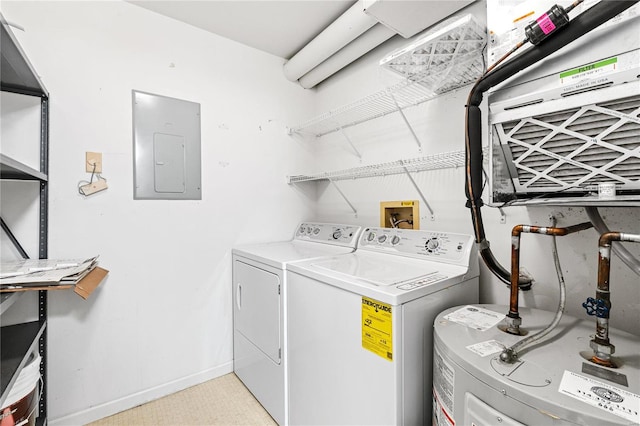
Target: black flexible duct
579,26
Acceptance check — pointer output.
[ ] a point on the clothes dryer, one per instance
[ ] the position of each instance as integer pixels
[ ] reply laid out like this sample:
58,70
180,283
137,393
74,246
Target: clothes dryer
259,315
360,326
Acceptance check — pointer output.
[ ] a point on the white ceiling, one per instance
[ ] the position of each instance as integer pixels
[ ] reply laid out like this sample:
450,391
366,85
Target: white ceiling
281,28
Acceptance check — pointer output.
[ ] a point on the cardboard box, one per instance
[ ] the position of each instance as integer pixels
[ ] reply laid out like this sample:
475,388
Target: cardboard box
90,282
82,288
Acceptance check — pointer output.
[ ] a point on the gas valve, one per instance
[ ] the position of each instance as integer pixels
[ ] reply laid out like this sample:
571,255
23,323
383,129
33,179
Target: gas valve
597,307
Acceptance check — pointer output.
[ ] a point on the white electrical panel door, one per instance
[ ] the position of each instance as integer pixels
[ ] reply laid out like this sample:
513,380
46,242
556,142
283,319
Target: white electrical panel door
168,163
166,136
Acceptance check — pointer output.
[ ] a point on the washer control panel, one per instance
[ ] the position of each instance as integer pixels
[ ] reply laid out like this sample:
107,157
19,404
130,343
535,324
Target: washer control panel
442,246
331,233
432,278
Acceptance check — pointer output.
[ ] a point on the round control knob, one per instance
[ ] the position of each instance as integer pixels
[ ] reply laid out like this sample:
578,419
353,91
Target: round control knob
309,229
382,239
316,231
432,244
371,236
395,240
337,234
301,230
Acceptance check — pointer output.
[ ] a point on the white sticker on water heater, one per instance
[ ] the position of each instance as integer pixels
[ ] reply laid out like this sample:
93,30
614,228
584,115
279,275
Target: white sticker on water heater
444,377
601,395
487,348
475,317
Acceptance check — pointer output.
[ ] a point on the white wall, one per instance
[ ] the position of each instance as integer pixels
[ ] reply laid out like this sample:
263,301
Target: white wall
439,124
162,319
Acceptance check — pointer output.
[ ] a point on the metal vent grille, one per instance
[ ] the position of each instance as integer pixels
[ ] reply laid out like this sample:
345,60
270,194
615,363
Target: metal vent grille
575,149
445,58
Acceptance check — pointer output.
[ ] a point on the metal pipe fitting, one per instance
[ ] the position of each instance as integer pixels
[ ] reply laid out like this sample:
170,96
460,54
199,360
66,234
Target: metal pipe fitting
513,319
601,306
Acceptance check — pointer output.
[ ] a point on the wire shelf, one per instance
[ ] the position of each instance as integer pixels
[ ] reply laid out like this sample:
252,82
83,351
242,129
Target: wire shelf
445,59
443,160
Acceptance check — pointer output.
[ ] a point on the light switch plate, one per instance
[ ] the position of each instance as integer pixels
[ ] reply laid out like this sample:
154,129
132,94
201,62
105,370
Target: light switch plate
94,158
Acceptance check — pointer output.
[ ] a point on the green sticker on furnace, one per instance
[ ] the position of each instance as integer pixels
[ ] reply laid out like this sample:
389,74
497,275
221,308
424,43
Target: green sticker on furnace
377,335
590,70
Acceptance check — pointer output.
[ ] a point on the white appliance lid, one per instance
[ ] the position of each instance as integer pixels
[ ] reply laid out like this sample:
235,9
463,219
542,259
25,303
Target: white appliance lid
382,272
387,278
280,253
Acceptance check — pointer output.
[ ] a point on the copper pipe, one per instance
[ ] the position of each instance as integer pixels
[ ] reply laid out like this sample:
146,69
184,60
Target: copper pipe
510,354
513,317
600,344
602,291
623,254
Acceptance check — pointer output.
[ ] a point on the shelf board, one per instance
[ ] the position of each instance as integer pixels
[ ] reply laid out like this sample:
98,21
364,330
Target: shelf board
406,94
18,75
19,341
443,160
6,300
16,343
15,170
447,58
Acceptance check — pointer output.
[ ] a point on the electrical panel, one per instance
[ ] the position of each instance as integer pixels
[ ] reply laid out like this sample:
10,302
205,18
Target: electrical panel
166,135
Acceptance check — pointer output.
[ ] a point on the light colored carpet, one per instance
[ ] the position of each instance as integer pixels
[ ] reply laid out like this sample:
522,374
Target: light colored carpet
222,401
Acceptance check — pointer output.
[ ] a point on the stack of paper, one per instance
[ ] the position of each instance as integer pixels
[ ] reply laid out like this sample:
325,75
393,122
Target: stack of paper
22,274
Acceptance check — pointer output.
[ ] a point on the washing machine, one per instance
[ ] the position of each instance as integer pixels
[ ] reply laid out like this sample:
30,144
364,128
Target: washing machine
552,382
259,315
360,326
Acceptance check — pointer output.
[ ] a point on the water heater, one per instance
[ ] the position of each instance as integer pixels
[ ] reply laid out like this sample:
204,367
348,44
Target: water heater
554,382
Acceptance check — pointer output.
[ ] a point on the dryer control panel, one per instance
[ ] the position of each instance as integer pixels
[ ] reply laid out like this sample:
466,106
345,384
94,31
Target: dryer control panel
441,246
330,233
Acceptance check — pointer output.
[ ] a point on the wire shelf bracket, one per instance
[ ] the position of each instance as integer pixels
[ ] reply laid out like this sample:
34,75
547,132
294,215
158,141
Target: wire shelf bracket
404,118
424,199
355,150
355,212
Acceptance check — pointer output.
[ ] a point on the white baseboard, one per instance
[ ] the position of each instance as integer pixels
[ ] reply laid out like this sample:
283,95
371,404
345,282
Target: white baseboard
113,407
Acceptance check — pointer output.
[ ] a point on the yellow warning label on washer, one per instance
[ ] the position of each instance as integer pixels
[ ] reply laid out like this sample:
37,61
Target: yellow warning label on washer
377,335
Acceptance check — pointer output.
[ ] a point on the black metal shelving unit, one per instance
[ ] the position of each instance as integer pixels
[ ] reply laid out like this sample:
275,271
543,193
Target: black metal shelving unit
18,341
